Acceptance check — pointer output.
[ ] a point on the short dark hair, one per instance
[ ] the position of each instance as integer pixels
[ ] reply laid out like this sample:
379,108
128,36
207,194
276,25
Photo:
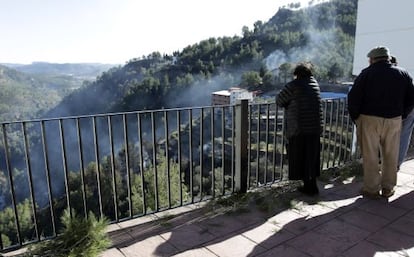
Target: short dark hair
303,70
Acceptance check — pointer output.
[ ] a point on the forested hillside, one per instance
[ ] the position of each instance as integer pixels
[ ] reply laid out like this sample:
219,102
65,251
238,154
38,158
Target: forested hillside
23,96
86,71
260,59
28,91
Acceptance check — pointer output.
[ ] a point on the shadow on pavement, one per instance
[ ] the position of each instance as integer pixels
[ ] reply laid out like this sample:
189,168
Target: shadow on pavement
363,228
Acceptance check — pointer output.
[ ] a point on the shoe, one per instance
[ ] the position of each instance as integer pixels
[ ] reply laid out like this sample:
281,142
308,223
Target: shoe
370,195
387,192
308,191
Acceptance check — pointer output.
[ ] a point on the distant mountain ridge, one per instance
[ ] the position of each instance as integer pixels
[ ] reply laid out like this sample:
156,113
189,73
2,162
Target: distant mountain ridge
28,90
83,70
23,96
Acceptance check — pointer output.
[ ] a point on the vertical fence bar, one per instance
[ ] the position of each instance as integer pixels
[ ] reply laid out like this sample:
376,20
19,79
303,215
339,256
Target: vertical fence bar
65,165
332,135
233,114
337,133
267,143
241,146
324,136
347,146
190,152
354,142
167,157
341,149
330,132
344,131
201,151
274,144
30,180
154,161
98,169
11,182
282,144
82,168
128,174
48,180
249,146
141,164
258,120
1,242
113,168
223,150
336,157
347,139
212,152
179,155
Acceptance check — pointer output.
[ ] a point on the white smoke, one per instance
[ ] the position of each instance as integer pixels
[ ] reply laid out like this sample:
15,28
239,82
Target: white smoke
318,43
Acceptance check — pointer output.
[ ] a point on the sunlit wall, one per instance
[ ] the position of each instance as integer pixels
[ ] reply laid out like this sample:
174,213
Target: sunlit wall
385,22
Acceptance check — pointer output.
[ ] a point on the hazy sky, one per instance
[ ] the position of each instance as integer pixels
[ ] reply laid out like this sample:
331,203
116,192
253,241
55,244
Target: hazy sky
115,31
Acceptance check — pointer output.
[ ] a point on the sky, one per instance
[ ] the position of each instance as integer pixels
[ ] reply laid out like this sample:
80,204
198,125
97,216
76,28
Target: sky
115,31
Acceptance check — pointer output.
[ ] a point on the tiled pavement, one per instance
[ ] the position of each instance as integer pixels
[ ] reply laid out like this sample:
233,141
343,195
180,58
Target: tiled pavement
339,222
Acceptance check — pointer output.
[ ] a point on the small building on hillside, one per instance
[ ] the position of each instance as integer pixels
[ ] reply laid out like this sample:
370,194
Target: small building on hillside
230,96
221,97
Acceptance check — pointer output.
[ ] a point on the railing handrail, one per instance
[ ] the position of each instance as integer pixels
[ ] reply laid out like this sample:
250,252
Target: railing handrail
82,116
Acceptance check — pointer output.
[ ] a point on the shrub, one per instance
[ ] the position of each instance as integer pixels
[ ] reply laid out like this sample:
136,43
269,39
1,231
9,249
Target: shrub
80,237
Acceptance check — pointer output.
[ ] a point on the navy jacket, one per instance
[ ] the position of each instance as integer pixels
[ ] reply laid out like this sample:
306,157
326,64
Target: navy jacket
381,90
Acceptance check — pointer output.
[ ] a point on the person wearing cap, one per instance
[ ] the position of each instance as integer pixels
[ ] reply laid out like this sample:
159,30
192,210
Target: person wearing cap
381,95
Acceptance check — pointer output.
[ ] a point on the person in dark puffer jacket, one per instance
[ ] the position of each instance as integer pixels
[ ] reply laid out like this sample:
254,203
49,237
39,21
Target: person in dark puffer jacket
303,109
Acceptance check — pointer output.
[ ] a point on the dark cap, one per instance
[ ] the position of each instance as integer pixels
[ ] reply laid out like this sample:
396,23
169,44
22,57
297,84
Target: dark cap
379,51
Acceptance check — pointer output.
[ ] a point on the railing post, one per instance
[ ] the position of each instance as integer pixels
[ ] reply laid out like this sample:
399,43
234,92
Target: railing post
354,144
241,137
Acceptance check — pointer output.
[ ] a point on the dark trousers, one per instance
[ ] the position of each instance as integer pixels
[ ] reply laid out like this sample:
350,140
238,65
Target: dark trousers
304,157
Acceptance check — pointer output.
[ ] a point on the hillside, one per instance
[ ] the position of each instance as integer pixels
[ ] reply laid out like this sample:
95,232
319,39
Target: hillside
260,59
84,71
23,96
28,91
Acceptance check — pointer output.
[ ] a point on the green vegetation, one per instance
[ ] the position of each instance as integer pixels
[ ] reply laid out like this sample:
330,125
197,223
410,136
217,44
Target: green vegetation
24,96
79,237
28,91
350,170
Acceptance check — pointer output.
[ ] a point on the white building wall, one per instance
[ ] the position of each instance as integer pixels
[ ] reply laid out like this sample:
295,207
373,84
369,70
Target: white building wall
236,95
385,22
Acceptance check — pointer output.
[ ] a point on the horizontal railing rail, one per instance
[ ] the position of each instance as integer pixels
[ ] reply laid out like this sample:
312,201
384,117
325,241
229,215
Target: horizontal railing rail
125,165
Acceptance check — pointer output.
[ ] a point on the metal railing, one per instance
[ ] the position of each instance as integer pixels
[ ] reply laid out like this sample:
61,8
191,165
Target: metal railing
125,165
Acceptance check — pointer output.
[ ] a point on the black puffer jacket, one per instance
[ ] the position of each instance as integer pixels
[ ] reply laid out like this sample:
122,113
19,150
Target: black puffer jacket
303,106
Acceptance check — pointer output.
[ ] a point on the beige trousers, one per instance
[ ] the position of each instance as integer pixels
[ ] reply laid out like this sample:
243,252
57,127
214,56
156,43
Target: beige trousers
379,140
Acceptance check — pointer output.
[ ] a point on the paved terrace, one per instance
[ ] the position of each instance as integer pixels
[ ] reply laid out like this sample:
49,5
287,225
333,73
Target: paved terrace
339,222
